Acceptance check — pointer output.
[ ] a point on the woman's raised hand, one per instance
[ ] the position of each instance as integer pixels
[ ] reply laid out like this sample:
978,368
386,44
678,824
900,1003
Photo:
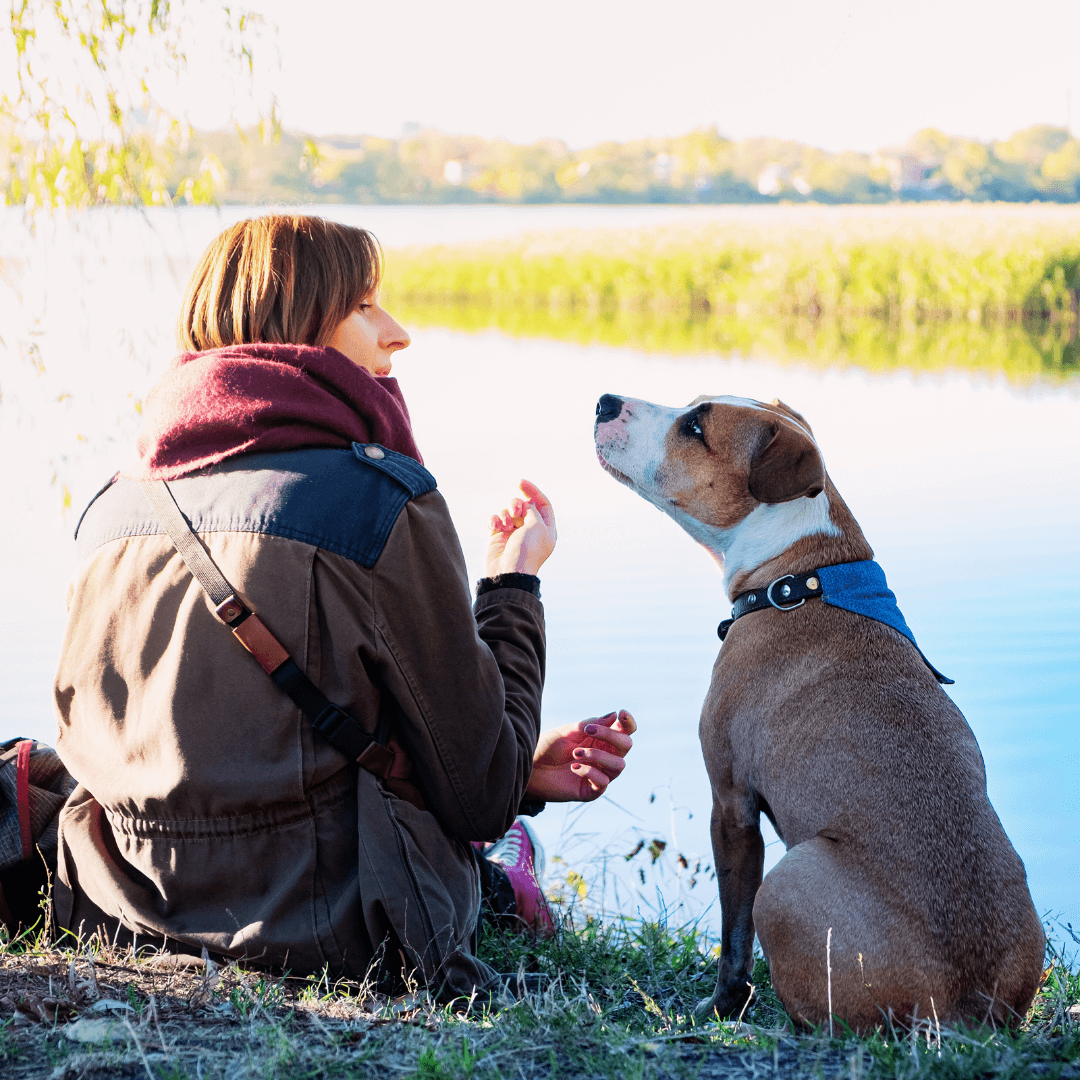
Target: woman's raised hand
576,762
522,536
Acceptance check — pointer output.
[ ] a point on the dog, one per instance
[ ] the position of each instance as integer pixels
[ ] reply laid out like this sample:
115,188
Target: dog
900,896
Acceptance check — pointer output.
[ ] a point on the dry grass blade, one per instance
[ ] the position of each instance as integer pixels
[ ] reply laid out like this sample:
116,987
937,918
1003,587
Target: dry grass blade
204,990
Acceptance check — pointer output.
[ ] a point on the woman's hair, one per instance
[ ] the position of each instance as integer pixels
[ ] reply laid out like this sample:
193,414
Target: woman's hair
285,278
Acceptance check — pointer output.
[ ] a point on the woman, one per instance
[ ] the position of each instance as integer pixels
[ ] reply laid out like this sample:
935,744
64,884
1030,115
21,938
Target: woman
210,812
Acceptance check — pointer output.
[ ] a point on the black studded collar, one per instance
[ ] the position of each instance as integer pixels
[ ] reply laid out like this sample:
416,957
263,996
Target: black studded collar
785,594
859,587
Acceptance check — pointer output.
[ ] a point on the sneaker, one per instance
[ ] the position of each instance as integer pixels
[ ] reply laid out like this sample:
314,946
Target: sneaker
521,856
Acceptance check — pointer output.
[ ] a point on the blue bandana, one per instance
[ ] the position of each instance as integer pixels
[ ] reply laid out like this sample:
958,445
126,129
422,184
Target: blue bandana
861,587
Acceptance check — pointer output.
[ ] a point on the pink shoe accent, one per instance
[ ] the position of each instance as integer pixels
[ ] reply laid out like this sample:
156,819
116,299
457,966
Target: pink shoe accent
521,856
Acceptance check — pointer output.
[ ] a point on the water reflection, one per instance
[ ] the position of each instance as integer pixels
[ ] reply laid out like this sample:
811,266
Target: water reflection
1021,352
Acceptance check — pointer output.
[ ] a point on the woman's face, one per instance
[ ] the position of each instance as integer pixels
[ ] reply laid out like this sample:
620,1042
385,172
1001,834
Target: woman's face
369,337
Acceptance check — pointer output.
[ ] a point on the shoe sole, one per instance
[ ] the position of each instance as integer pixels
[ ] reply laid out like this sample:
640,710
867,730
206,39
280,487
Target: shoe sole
539,861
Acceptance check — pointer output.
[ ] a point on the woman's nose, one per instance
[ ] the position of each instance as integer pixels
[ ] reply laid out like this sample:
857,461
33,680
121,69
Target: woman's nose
394,336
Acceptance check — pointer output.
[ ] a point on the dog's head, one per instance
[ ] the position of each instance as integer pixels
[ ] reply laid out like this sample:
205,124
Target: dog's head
739,476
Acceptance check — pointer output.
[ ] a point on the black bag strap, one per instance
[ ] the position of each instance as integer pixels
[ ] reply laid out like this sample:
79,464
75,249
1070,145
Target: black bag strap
334,724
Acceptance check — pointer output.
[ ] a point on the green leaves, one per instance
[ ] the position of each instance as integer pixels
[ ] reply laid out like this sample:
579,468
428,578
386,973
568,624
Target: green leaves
84,128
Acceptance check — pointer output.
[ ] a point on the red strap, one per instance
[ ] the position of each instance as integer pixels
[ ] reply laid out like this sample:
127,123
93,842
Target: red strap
22,794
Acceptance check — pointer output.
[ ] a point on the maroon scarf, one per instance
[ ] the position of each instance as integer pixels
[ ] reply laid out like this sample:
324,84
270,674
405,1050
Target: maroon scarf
244,399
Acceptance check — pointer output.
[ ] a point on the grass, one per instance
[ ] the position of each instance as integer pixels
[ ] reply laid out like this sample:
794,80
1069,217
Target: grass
994,287
620,1005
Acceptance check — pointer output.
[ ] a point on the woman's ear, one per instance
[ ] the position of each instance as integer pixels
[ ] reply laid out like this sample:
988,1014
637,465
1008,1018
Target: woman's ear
787,465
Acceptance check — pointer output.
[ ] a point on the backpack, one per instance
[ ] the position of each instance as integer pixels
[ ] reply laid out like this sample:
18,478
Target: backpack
34,785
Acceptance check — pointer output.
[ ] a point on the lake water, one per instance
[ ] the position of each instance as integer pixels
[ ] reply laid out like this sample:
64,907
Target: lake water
966,485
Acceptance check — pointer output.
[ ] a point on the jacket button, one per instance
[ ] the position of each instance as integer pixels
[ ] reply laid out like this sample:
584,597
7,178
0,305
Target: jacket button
375,452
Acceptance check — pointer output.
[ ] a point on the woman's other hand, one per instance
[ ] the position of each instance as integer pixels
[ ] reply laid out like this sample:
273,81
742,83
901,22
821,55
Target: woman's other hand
523,536
576,762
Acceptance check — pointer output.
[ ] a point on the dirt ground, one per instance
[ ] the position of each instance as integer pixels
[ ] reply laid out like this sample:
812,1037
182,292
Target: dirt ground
96,1014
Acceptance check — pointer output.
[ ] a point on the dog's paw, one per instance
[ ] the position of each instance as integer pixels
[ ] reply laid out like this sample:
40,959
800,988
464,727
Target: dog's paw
726,1001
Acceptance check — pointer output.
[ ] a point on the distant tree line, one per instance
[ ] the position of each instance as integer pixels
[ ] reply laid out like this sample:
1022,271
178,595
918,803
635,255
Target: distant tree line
80,126
428,166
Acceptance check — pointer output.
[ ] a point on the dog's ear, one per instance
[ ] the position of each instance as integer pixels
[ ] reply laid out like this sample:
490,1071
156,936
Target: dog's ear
796,416
786,465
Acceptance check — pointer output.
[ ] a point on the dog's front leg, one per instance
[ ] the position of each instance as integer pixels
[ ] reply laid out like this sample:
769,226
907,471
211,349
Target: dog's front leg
738,855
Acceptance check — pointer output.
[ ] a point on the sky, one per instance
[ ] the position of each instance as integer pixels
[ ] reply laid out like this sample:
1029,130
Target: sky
839,75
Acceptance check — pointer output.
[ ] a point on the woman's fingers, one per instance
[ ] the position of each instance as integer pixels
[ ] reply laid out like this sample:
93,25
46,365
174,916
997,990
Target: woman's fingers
613,741
524,537
594,781
620,720
603,729
504,521
512,518
540,501
611,764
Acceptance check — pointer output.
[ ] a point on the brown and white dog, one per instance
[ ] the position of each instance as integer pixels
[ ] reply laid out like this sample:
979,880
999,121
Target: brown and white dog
900,894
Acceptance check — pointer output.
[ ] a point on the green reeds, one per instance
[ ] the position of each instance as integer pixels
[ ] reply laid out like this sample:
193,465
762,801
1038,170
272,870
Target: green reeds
893,262
878,285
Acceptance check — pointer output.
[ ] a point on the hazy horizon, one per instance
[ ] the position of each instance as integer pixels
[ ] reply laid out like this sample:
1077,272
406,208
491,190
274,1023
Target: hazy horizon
413,127
837,76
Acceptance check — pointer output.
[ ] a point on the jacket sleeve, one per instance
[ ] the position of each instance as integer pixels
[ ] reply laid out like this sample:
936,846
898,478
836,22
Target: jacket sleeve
468,685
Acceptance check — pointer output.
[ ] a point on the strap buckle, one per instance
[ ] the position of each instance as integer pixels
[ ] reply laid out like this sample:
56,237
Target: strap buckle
343,733
782,607
231,611
377,759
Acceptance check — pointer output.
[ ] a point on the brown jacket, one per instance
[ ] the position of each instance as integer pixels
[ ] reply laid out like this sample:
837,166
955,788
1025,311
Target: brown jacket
209,812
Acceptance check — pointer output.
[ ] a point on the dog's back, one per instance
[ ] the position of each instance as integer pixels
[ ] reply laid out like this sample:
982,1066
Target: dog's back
843,734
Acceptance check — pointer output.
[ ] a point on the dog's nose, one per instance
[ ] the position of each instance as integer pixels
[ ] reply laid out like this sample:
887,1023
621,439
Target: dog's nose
608,407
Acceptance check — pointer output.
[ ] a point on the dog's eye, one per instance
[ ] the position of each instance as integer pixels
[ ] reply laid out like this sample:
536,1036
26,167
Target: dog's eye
693,427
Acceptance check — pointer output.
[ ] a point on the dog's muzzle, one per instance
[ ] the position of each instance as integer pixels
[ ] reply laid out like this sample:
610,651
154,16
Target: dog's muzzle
607,408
